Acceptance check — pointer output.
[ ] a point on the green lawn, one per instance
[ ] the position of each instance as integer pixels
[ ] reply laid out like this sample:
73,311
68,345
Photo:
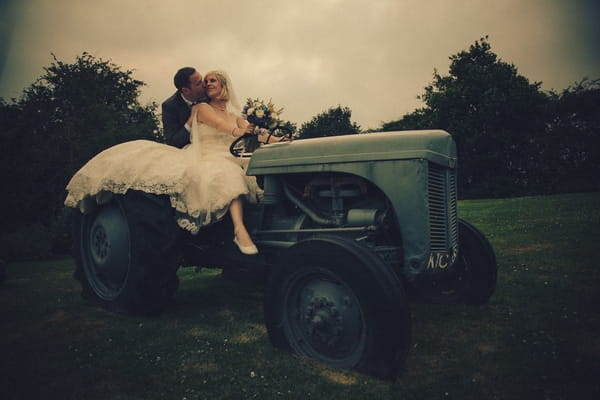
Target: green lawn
538,338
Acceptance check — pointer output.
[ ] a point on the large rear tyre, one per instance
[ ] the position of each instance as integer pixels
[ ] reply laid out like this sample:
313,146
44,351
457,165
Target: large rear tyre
334,300
471,279
127,253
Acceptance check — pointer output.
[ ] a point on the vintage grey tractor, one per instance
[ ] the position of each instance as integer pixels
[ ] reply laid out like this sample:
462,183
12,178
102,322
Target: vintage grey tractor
347,227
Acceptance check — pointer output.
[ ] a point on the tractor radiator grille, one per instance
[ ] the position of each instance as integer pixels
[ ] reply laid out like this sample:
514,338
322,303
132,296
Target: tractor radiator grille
443,216
452,207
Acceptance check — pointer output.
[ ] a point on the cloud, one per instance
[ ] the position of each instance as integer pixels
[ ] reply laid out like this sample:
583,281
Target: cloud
372,56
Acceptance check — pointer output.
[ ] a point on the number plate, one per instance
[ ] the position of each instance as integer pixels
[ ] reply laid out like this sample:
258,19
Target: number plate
441,260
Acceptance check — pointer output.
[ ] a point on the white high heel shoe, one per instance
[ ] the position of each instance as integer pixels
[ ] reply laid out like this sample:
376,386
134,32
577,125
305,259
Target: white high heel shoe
247,250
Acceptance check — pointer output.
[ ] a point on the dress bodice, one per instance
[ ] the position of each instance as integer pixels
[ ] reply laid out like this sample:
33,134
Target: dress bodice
207,140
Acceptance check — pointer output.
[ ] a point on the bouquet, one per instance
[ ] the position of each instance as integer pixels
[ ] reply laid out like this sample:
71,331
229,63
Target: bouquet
263,115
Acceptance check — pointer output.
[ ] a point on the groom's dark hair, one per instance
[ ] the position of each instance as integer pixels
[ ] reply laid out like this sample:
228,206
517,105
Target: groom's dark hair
182,77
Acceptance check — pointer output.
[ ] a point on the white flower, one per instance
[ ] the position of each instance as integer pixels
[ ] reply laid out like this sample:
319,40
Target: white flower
260,113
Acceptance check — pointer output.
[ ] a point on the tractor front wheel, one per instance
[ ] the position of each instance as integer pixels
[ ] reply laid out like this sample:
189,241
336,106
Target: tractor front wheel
472,277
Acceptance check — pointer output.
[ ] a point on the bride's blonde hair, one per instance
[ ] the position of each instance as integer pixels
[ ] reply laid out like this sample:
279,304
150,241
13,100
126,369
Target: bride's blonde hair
222,78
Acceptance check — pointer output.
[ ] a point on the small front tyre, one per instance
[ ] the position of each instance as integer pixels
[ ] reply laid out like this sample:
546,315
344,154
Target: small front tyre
477,257
471,279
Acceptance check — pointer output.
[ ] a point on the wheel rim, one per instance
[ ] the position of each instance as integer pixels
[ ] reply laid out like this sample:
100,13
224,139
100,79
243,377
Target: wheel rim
323,318
105,251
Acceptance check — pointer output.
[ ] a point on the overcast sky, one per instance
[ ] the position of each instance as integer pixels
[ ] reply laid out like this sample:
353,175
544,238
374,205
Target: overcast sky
374,56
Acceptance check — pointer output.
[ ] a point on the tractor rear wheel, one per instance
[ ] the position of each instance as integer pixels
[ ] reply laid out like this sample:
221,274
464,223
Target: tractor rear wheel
334,300
127,253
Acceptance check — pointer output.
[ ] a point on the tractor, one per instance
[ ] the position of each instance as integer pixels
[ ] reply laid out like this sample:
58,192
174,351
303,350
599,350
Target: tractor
348,227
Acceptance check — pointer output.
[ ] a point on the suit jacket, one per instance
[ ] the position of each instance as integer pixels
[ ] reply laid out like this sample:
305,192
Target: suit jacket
175,113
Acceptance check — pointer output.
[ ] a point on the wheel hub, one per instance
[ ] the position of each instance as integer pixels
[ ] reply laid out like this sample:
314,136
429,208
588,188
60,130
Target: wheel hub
327,320
106,252
100,244
323,321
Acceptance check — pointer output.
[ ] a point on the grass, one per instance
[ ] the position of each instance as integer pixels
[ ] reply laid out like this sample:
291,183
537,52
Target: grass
538,338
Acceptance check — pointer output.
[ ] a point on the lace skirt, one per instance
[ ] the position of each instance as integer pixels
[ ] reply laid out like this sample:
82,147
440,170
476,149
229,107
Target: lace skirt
200,186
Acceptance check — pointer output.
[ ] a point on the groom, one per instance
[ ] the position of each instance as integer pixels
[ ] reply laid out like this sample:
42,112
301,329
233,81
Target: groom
176,110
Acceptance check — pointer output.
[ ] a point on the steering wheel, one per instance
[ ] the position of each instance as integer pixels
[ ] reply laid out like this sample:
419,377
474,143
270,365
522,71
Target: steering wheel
244,146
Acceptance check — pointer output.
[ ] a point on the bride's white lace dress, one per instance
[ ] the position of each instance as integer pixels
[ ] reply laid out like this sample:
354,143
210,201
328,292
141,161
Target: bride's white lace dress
201,179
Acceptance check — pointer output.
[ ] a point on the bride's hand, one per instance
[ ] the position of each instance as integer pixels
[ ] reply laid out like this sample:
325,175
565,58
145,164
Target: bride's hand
250,129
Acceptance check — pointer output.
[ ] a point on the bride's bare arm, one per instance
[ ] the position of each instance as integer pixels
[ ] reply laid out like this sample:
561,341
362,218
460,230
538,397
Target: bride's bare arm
242,123
207,115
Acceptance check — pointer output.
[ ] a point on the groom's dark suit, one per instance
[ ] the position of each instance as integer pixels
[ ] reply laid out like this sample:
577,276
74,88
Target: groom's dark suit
175,113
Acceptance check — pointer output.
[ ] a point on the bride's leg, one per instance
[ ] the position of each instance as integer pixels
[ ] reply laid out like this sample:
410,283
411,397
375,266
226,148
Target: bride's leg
236,211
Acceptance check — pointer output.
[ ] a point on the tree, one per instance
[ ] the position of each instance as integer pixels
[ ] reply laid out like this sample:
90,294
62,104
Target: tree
68,115
495,115
333,122
572,139
418,119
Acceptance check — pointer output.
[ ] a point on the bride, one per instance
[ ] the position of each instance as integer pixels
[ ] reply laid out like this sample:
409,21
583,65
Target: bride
203,180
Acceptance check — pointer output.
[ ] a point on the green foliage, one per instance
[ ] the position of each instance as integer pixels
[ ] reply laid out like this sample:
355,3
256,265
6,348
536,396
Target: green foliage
418,119
572,140
29,241
492,113
67,116
512,138
333,122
